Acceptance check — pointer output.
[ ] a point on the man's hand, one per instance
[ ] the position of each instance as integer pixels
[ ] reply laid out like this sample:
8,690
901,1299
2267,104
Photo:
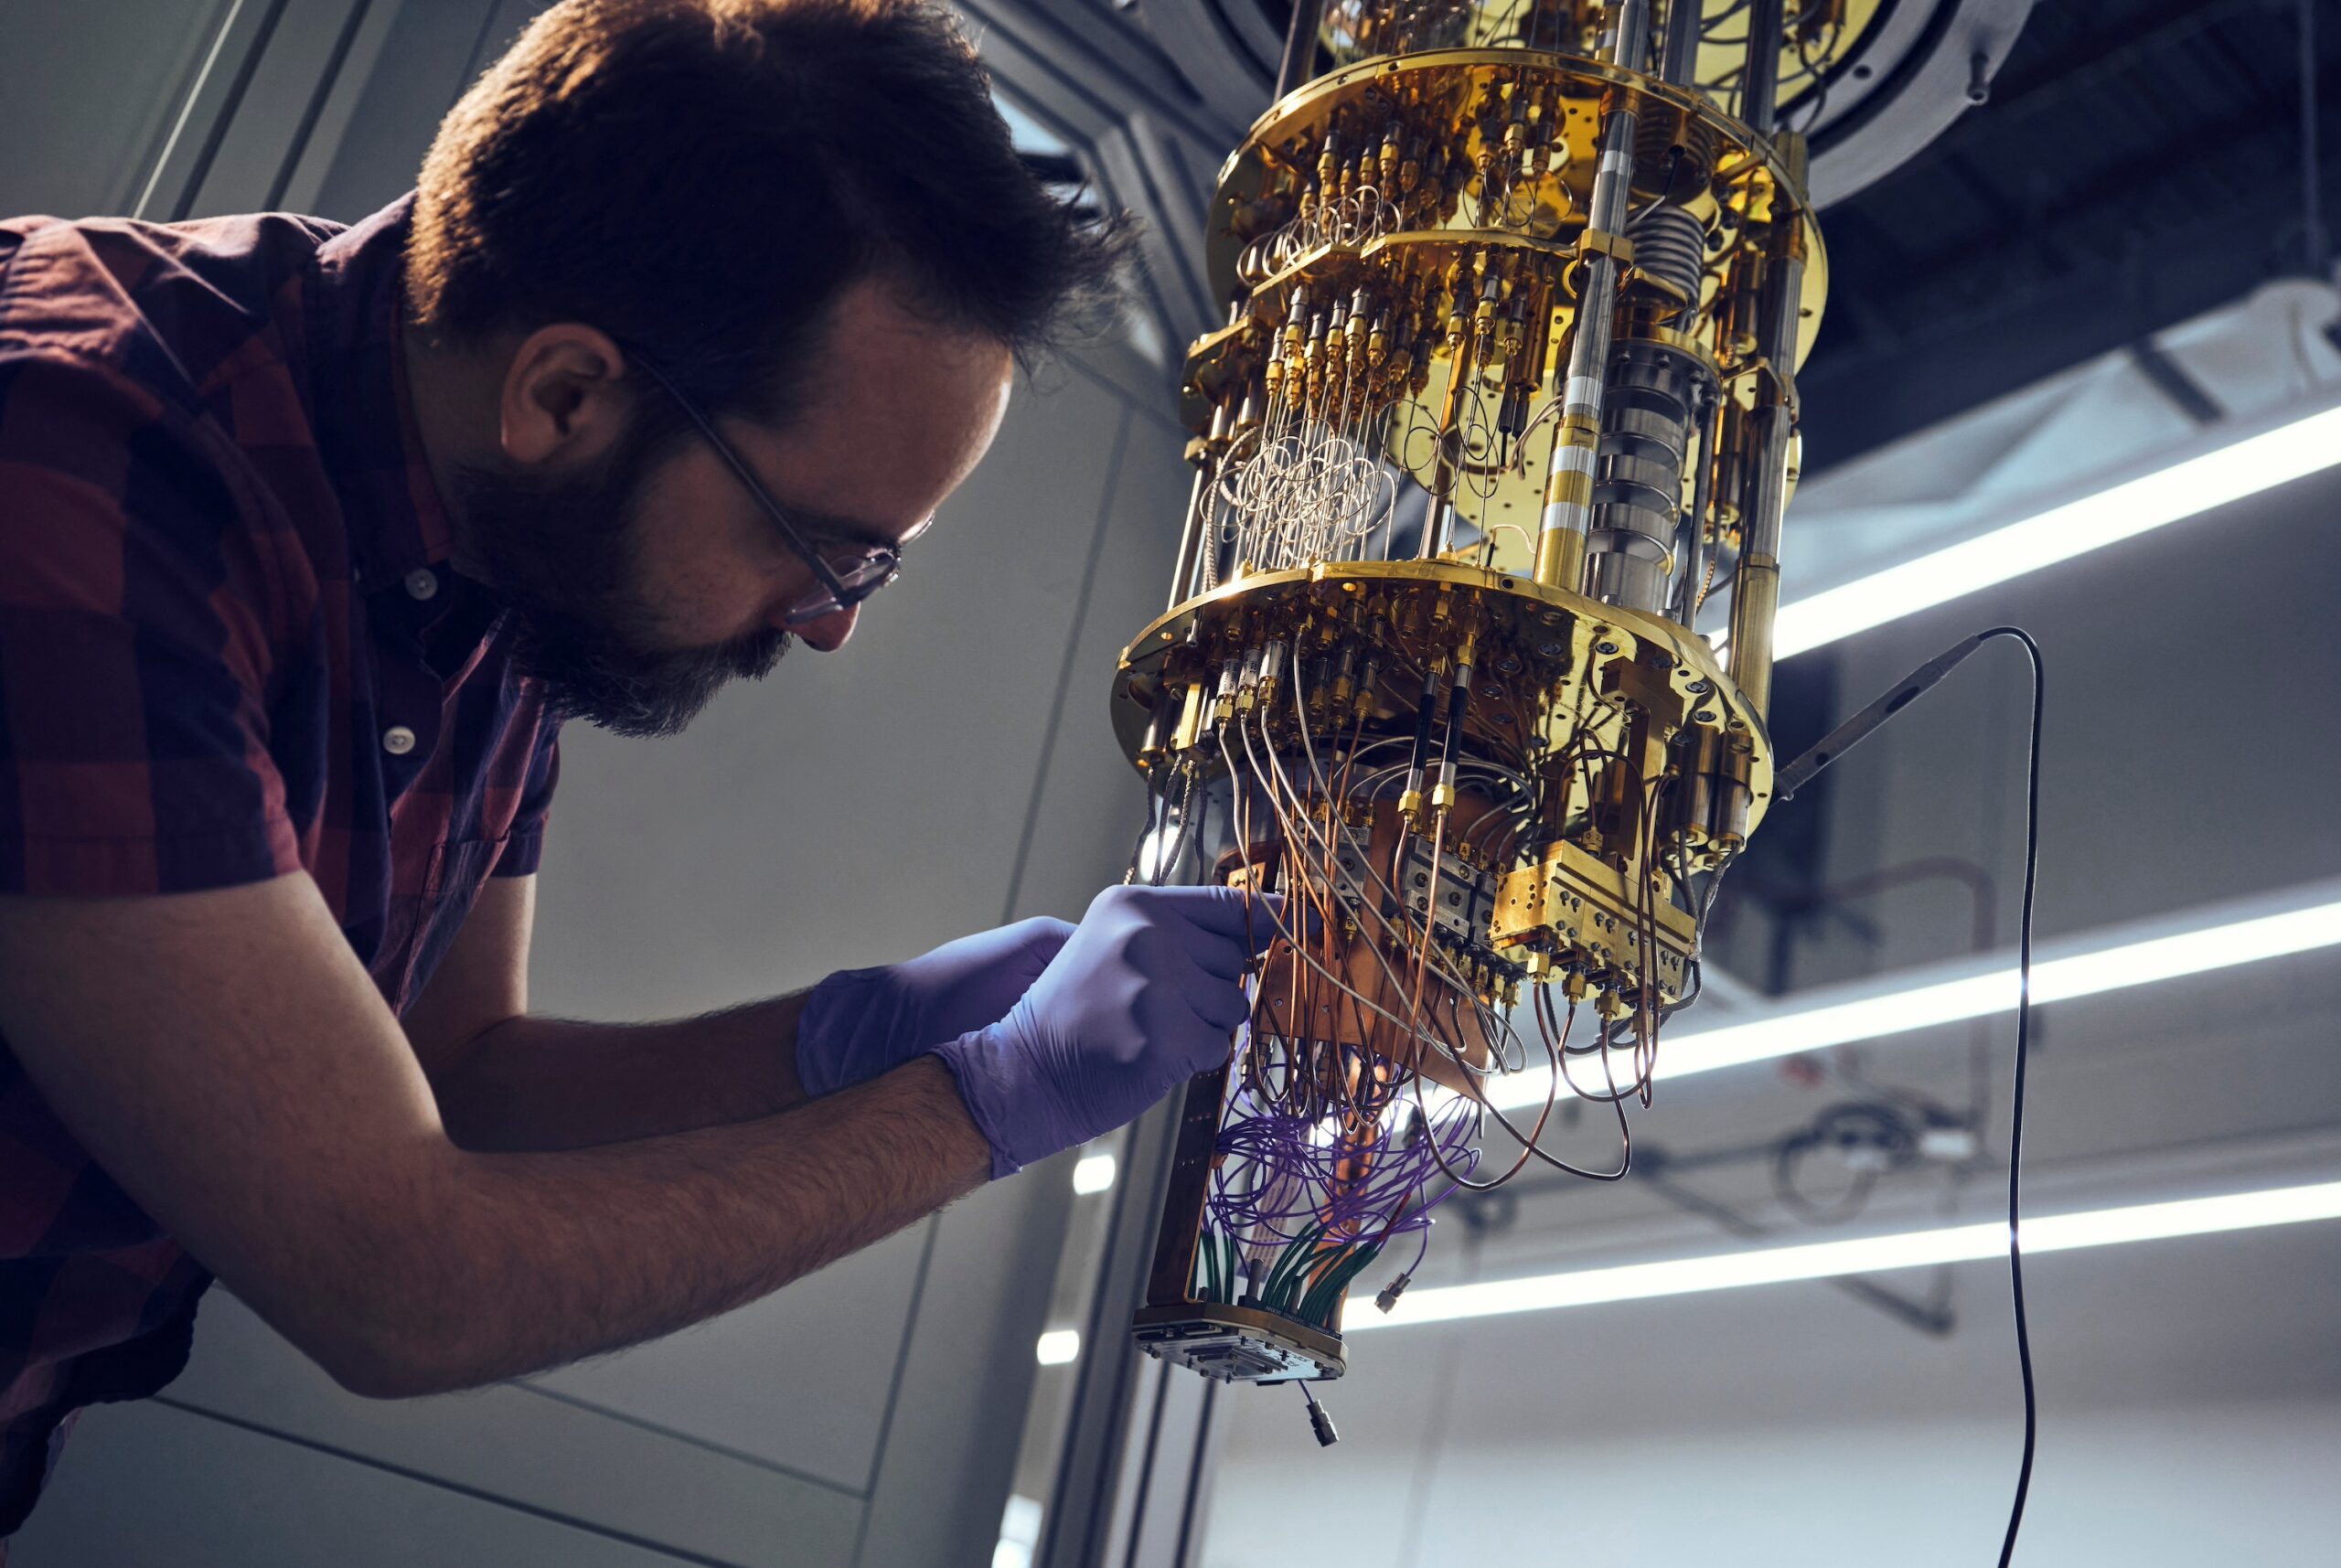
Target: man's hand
1144,995
858,1023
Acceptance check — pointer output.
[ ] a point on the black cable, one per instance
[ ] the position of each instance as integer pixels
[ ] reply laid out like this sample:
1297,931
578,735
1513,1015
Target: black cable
2016,1099
1800,772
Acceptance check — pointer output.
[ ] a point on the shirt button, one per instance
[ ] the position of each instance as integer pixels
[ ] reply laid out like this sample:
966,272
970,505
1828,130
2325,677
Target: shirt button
422,582
397,740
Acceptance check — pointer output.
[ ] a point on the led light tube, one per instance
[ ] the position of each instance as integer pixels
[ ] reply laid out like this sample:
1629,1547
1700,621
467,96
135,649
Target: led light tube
2168,494
2092,965
1827,1260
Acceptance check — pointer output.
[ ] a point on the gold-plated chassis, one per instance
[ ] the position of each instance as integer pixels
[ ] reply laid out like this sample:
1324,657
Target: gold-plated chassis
1563,639
1449,85
1566,660
1456,78
1568,300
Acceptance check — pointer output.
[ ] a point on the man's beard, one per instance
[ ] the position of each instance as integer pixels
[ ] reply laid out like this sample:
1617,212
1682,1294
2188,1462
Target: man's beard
564,555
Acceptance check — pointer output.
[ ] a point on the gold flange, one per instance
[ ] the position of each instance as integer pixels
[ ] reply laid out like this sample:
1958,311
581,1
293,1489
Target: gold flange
1570,649
1300,118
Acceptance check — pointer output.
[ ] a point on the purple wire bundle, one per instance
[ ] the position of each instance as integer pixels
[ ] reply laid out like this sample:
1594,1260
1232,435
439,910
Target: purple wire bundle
1279,1178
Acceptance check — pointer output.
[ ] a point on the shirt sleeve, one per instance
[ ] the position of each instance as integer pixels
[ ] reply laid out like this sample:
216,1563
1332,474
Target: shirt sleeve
524,847
135,659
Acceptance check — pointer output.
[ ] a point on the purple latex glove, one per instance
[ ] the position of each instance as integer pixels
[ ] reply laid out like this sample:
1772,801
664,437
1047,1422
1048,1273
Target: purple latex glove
859,1023
1143,996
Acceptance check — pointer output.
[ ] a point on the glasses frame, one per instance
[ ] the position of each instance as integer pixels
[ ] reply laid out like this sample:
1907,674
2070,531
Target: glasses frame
841,595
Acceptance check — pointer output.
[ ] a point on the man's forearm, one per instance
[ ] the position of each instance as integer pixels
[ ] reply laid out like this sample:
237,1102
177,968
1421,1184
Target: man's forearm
541,1083
519,1261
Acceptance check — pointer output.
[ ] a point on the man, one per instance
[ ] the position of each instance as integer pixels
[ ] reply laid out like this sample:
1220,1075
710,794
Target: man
308,540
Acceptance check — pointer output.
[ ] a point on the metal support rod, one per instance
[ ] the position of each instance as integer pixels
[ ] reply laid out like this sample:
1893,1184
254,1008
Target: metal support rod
1569,483
1190,538
1759,81
1694,521
1199,509
1300,62
1756,586
1866,722
1682,59
1632,48
1438,522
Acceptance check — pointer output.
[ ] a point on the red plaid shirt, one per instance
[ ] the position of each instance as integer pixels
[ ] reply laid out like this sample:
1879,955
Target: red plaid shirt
231,648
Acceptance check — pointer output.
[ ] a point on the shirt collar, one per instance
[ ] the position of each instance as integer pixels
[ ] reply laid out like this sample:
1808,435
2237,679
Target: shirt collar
360,410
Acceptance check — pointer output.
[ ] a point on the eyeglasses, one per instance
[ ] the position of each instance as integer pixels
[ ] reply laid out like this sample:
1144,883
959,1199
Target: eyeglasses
858,571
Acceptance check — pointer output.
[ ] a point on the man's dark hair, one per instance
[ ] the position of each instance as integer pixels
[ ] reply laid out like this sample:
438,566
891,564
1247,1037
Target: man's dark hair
702,178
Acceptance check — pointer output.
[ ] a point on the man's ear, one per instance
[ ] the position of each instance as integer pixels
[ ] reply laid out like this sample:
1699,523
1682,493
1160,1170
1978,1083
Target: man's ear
564,397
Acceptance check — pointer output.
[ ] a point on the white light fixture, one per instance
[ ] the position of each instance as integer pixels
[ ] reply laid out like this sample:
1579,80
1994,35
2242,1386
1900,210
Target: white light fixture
1828,1260
2181,490
2086,968
1019,1532
1094,1173
1058,1346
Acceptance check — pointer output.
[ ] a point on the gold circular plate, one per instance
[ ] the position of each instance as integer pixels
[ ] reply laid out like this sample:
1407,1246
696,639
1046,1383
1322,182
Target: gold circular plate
1564,648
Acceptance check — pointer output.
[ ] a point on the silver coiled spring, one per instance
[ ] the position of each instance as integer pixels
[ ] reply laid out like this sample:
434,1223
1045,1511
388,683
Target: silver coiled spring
1670,244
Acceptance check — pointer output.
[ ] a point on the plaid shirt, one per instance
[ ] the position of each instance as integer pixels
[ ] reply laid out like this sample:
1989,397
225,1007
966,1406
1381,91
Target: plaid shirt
231,648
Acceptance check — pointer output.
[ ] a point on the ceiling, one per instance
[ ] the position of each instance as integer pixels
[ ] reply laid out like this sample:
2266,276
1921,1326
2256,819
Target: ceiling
2139,163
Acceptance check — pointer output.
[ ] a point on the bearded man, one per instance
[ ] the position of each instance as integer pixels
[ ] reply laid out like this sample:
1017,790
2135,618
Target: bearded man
311,537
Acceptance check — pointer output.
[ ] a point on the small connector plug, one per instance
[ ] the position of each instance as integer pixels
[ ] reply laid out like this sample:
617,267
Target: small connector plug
1319,1421
1391,1292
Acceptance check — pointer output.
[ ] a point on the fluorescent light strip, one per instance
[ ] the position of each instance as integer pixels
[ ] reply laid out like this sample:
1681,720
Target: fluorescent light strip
2058,979
2182,490
1828,1260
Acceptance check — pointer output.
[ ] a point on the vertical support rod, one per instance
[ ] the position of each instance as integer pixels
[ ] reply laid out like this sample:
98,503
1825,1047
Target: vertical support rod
1632,48
1568,483
1694,521
1199,509
1759,87
1438,522
1300,62
1756,587
1682,60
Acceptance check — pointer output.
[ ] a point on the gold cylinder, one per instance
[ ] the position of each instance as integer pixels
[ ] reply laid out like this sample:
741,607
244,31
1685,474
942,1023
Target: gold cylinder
1560,557
1755,602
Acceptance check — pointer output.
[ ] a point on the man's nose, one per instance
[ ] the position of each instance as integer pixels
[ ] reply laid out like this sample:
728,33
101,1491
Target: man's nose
828,634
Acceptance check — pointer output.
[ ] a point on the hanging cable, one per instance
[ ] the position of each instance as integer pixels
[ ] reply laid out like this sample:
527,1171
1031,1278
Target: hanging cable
1799,773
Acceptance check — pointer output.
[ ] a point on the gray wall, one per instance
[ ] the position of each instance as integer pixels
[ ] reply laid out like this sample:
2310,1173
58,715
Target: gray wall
952,768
